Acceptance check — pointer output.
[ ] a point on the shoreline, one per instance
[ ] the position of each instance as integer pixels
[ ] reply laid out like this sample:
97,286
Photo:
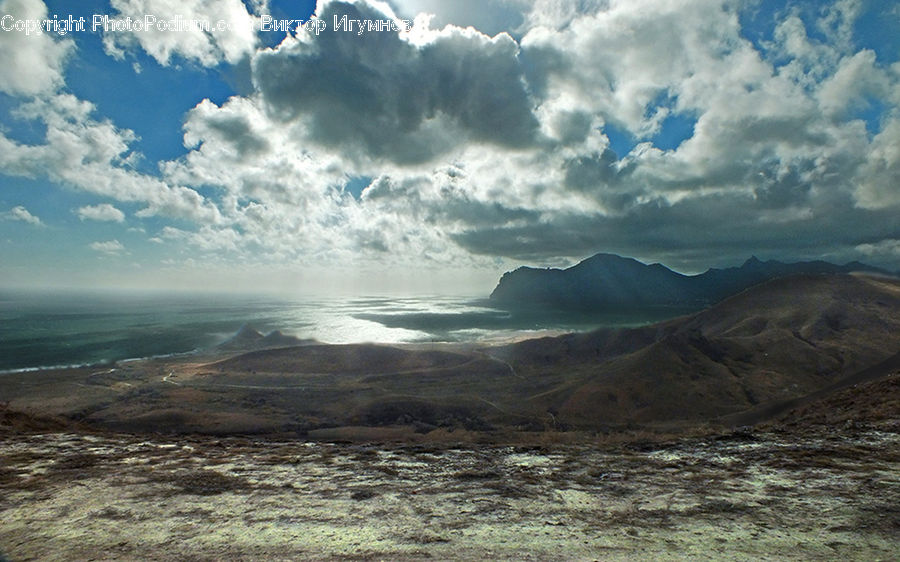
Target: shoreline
515,337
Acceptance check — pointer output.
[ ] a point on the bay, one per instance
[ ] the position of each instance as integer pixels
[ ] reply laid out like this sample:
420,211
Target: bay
40,330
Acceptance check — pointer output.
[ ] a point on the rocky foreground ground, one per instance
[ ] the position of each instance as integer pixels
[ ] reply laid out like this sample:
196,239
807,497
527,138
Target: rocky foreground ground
831,492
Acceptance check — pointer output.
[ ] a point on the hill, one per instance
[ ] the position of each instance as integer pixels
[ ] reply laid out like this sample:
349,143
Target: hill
875,402
608,281
776,342
249,338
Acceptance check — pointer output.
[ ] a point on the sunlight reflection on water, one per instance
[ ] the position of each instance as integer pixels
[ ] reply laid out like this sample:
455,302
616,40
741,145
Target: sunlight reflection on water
49,330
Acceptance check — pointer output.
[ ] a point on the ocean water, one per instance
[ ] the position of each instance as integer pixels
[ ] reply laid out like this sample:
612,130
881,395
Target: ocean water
44,330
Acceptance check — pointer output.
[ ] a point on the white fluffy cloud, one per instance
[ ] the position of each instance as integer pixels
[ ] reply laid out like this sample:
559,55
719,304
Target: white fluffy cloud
32,63
94,156
20,213
857,77
110,247
878,179
190,42
885,250
103,213
488,16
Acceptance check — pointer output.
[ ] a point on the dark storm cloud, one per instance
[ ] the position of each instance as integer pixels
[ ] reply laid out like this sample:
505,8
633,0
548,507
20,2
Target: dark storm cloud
236,129
380,96
590,172
601,177
573,127
784,189
686,234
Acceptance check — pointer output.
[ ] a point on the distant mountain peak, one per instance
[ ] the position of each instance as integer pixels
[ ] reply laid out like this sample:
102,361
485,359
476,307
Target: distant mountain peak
609,259
600,281
752,261
605,256
609,281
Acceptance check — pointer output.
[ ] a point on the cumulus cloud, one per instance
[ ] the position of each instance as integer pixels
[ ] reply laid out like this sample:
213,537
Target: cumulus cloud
20,213
765,170
837,22
884,250
190,42
103,213
380,95
451,147
857,77
94,156
32,63
623,61
488,16
878,179
111,247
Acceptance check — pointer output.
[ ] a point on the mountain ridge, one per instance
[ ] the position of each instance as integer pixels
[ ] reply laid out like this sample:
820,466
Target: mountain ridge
610,281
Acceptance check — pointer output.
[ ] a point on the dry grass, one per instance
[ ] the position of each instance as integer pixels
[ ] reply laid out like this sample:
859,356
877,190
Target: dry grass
202,482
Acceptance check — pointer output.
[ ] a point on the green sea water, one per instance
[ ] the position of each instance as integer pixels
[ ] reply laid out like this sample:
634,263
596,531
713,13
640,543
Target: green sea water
67,329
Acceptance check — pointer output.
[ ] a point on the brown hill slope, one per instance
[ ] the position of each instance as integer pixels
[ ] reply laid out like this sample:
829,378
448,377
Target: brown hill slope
13,422
875,402
748,359
777,341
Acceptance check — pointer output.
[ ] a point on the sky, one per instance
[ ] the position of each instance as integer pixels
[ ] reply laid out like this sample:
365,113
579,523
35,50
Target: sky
430,155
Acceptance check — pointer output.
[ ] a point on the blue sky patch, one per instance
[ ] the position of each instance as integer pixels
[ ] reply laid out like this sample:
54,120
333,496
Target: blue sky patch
675,129
356,185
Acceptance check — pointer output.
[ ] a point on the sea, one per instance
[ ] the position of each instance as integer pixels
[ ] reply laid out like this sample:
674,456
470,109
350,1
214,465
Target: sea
44,330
